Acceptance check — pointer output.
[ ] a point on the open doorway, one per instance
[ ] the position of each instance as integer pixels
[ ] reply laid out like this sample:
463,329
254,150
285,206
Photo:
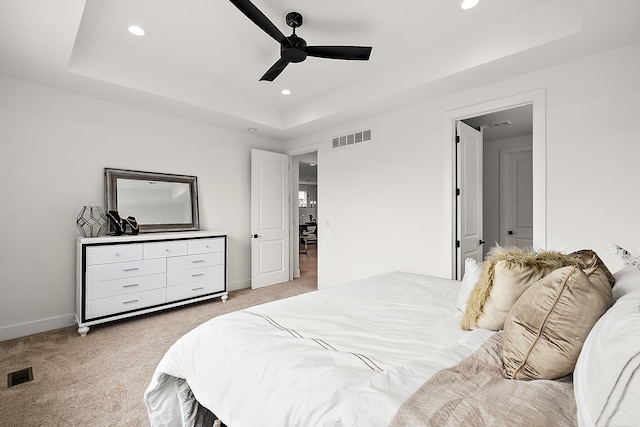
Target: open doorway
505,170
306,220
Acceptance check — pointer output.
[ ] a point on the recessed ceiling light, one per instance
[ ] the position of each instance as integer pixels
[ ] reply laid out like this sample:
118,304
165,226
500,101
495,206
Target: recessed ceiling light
252,129
136,30
468,4
285,92
312,164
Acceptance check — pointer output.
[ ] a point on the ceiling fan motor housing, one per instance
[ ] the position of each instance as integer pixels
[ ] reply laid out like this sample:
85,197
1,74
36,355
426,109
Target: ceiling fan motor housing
295,51
294,19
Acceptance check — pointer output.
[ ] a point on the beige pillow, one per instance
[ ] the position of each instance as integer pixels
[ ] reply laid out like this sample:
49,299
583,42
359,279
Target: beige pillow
591,259
506,274
547,326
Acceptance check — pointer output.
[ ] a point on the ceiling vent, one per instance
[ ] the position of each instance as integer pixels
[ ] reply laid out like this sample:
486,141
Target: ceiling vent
352,138
500,124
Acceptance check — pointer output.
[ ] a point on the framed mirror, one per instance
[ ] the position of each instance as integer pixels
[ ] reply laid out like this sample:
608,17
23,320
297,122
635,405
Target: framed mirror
158,201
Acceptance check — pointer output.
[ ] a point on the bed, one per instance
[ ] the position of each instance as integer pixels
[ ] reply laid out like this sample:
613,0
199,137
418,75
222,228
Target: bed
370,353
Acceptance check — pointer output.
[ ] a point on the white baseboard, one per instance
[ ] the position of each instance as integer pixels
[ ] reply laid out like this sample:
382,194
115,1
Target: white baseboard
36,327
58,322
246,284
240,284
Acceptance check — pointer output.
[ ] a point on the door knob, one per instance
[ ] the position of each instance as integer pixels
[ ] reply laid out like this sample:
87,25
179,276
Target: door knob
511,232
481,242
255,236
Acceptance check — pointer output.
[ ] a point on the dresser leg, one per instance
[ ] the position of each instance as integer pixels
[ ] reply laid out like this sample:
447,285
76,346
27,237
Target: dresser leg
224,297
83,331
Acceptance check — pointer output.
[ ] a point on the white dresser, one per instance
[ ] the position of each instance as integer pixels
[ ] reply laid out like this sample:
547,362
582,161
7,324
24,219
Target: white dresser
125,276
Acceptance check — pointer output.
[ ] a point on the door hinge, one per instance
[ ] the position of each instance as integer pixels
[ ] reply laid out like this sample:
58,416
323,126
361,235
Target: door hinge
457,139
457,243
457,191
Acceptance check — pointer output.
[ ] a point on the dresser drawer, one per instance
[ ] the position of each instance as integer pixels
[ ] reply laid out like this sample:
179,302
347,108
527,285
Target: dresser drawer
166,249
195,275
128,285
113,253
121,303
195,261
99,273
201,246
175,293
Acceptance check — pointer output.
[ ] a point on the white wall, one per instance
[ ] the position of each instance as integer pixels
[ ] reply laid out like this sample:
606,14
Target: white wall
404,173
54,148
384,205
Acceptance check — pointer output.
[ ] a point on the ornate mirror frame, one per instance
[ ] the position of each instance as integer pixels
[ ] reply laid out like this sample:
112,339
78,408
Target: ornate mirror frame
112,177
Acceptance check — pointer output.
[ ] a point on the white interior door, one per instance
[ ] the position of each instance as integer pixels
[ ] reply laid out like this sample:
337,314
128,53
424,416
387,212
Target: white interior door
516,194
269,218
469,199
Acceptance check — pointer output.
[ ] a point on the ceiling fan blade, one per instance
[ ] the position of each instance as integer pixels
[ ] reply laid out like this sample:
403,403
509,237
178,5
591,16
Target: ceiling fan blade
356,53
275,70
258,18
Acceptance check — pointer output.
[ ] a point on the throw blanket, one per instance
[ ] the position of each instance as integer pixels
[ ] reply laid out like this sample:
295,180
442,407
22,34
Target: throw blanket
475,393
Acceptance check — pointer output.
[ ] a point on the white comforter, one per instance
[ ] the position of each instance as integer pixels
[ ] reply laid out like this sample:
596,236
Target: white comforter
345,356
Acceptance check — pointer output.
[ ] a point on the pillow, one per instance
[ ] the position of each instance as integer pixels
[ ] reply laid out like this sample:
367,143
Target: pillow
546,327
627,280
472,269
506,274
607,375
590,259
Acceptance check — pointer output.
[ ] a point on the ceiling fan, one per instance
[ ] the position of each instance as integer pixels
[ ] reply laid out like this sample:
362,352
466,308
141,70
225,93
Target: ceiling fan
294,48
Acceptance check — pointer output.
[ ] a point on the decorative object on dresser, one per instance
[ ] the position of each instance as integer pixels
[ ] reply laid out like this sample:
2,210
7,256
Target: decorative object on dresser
116,227
125,276
91,221
160,202
132,224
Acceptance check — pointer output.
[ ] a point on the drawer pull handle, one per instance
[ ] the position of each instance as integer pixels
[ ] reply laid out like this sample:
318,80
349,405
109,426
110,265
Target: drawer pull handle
130,302
167,250
197,261
131,285
198,289
131,269
197,275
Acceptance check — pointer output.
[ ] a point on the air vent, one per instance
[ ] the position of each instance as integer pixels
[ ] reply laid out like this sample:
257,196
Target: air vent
19,377
500,124
352,138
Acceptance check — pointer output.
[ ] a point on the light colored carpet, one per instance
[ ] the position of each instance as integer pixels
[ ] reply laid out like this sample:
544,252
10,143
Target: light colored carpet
99,380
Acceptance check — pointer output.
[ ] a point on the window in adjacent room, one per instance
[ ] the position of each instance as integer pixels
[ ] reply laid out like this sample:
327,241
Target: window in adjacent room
302,199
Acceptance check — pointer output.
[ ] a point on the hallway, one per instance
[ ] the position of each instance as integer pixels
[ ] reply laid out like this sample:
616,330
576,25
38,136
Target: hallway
309,265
